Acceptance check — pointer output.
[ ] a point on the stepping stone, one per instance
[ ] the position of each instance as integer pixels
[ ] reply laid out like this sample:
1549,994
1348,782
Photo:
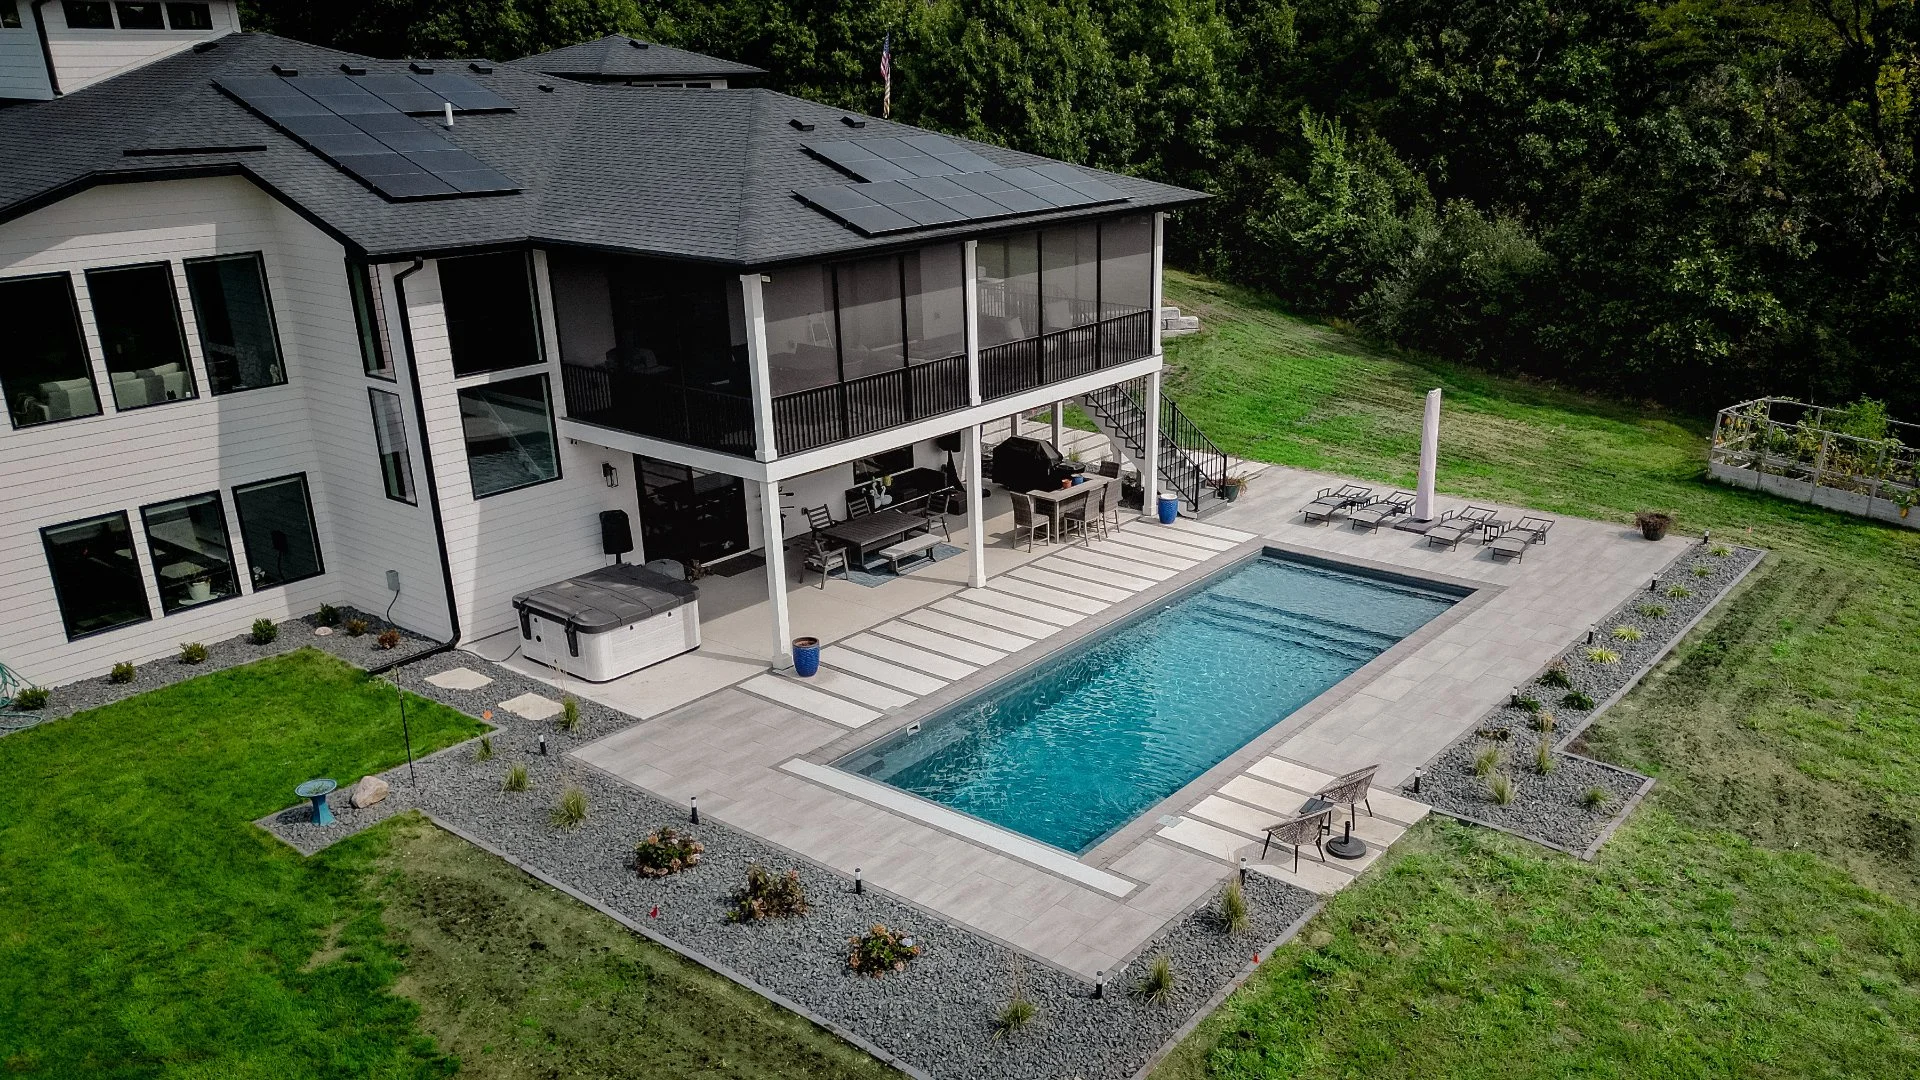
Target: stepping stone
994,617
1236,816
1186,544
1115,564
906,655
1313,875
967,630
459,678
532,707
880,671
939,643
1066,583
790,692
1206,839
1203,528
1287,774
1139,556
1019,605
1278,801
858,691
1054,598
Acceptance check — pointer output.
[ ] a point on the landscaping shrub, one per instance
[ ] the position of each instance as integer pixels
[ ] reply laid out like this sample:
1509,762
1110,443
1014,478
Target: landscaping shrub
1653,611
666,850
122,673
1233,907
192,652
356,627
1500,789
1156,986
1487,760
1628,633
516,778
881,950
768,896
264,632
30,698
328,615
1679,592
1556,675
571,810
1577,699
1527,702
388,639
569,718
1602,656
1595,798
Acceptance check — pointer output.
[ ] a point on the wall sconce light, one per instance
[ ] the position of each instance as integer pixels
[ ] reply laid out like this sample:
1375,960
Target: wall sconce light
610,474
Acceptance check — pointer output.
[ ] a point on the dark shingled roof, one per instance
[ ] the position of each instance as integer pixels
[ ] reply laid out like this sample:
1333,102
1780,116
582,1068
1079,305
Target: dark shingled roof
619,57
694,174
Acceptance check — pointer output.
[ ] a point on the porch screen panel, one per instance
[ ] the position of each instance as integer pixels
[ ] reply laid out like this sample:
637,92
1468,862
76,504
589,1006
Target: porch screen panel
936,307
1126,265
1009,271
802,348
1069,276
871,328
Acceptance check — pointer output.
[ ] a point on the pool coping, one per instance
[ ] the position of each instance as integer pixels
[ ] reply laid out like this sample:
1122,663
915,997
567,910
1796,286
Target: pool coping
1474,594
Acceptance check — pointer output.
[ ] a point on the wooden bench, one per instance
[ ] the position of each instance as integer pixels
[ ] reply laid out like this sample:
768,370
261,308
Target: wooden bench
913,545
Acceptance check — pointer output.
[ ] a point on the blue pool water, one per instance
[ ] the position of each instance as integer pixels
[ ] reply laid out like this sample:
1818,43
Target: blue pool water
1070,752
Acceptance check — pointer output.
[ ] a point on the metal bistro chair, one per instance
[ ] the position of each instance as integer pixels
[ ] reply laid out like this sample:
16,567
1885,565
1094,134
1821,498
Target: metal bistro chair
1074,517
1349,790
1025,521
824,559
1297,830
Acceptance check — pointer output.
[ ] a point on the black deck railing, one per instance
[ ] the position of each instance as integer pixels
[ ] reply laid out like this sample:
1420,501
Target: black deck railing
829,414
660,408
1050,358
1190,462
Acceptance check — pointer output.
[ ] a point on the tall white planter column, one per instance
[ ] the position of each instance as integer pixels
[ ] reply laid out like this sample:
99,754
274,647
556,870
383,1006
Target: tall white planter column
1429,458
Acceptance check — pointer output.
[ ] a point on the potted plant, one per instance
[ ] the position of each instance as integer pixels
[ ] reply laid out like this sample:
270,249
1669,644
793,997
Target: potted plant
200,588
1653,524
1233,487
806,656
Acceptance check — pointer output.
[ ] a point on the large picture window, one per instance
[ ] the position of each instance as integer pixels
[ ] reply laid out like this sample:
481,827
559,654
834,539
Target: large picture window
276,524
96,575
237,334
390,437
509,433
192,553
491,322
44,370
141,15
137,312
367,321
190,16
87,14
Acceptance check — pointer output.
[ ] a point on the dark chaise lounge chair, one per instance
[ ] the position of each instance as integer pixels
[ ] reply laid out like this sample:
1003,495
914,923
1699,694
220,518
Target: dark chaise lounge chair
1513,543
1457,525
1331,501
1377,512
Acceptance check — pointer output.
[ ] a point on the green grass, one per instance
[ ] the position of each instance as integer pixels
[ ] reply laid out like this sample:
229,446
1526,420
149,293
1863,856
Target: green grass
1756,917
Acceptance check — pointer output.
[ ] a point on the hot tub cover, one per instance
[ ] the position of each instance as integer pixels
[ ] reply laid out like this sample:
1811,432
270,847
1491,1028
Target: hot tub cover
610,597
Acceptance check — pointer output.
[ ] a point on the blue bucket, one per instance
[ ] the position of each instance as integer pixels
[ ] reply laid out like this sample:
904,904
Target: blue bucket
806,656
1169,508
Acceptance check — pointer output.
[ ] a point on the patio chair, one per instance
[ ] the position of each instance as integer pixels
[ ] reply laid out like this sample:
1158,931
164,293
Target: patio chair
859,504
1110,506
1348,790
1074,517
824,559
818,517
1513,543
922,507
1376,513
1097,501
1026,521
1297,830
1331,501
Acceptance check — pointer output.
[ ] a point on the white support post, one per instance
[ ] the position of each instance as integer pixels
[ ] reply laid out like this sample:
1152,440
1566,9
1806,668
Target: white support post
1159,264
1150,468
1059,427
970,296
759,378
976,510
774,541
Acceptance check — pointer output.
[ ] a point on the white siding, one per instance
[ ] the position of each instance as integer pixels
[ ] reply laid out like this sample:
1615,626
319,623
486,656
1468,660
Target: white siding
23,70
318,423
84,57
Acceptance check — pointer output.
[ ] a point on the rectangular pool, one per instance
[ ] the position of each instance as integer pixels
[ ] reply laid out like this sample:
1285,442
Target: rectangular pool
1095,735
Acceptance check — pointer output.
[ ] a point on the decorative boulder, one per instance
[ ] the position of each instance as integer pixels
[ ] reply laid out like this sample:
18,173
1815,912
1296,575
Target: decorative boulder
370,790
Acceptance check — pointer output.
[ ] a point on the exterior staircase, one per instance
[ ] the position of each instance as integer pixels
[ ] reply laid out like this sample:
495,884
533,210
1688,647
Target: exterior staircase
1190,463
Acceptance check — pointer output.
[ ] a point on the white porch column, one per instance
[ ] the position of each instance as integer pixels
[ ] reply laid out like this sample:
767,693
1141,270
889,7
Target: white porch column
1059,428
970,296
1159,264
1150,468
773,537
976,513
759,378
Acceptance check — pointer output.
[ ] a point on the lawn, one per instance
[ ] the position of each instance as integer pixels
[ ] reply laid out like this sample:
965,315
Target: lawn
1757,917
151,930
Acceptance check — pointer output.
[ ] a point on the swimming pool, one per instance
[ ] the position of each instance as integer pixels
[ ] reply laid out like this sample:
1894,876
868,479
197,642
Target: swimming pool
1073,750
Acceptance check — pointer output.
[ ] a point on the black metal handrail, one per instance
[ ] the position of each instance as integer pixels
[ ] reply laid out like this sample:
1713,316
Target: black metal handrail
827,414
1190,462
1013,366
657,407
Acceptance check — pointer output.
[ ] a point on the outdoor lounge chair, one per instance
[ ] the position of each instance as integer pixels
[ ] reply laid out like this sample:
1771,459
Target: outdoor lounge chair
1025,521
1331,501
1457,525
1513,543
1377,512
1297,830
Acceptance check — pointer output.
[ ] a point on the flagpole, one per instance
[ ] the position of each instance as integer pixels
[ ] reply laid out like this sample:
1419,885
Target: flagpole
886,77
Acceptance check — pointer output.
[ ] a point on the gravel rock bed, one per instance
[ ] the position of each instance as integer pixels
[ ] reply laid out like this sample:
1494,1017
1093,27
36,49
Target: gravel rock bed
1549,807
938,1016
295,634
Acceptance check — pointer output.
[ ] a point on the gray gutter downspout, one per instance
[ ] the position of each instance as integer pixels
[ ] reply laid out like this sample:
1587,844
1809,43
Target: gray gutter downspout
46,46
426,455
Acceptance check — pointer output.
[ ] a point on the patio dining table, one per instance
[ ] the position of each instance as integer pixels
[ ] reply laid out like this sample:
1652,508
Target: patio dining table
1058,497
876,530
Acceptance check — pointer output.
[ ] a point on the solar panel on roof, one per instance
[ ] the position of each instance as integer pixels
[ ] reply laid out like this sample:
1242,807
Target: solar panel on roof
403,92
897,157
903,205
465,94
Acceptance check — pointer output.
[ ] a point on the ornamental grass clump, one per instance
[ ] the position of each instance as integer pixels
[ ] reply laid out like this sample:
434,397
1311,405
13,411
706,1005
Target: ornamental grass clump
1543,721
1653,611
484,752
1487,760
1595,798
1542,758
1014,1016
1556,675
1156,986
1527,702
1720,551
1702,570
1233,907
1628,633
569,718
1678,592
767,895
881,950
516,778
665,851
1598,655
571,810
1577,699
1500,789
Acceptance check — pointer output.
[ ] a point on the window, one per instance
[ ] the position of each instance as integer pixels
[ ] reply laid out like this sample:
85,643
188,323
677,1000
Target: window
369,319
88,14
490,312
390,437
9,15
144,16
802,351
192,555
276,524
188,16
1009,270
237,334
96,575
885,463
44,370
509,431
137,312
1126,265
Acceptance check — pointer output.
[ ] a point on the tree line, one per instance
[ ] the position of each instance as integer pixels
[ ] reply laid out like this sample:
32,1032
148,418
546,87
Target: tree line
1693,201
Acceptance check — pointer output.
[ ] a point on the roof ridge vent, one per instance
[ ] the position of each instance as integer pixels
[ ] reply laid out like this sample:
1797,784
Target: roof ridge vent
349,69
419,68
799,125
547,86
482,68
285,72
853,122
206,46
637,43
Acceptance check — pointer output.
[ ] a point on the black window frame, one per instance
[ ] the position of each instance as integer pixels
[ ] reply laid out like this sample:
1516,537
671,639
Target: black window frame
368,323
539,335
273,320
410,496
553,431
10,15
179,322
313,528
59,593
203,22
86,354
120,14
103,7
226,531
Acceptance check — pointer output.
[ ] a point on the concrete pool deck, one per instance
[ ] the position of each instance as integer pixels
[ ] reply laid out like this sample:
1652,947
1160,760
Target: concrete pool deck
754,746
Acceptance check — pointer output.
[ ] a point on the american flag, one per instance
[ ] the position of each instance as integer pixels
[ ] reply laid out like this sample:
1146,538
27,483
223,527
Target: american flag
886,76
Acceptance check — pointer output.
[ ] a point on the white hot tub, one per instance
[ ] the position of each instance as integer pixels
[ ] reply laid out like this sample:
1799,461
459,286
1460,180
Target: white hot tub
611,622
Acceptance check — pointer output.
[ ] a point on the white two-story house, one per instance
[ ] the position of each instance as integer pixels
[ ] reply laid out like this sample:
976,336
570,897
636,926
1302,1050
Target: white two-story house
283,326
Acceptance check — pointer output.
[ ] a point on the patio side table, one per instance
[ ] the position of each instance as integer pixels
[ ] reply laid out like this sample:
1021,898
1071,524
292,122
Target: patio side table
318,790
